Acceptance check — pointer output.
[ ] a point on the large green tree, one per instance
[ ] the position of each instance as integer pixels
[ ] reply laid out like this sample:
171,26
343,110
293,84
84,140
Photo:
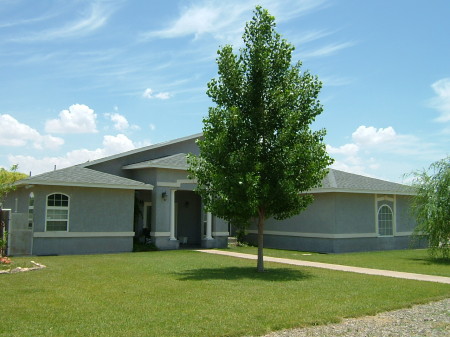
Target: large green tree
258,155
431,206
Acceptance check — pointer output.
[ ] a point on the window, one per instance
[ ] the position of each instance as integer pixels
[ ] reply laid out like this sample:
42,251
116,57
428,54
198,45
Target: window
57,215
30,210
385,221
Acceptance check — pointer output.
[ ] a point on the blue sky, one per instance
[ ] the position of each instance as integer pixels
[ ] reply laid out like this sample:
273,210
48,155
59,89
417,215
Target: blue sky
86,79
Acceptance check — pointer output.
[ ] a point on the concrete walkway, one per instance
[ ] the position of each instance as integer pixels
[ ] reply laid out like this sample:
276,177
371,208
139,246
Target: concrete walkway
369,271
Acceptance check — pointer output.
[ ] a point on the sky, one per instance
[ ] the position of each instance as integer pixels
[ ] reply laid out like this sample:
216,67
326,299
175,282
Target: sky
81,80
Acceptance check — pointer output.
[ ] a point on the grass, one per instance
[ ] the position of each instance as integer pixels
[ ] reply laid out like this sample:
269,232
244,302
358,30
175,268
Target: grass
409,260
186,293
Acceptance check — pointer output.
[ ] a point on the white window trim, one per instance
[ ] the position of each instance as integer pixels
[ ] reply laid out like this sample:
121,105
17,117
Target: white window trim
393,199
59,208
378,219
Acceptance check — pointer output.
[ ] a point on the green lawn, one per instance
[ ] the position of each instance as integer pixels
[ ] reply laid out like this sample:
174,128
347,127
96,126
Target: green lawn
186,293
410,260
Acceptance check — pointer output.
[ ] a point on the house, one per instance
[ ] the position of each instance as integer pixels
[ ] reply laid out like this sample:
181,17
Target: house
349,213
104,205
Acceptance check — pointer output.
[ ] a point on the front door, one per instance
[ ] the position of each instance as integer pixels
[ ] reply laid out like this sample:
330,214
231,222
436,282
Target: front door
188,220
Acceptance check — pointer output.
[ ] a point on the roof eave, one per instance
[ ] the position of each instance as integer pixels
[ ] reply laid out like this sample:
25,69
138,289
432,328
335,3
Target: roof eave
130,167
93,185
344,190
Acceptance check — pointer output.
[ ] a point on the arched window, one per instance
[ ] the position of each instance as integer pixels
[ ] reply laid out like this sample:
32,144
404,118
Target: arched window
57,212
30,210
385,221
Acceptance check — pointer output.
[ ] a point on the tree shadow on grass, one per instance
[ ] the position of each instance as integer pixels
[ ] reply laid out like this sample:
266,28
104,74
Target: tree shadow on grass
432,261
239,273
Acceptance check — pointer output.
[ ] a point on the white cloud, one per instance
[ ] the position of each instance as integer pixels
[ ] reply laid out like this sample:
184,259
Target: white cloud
347,149
336,81
148,93
370,136
387,140
326,50
162,95
152,127
78,119
215,18
14,133
111,145
224,20
377,152
116,144
342,165
48,142
94,18
442,101
120,122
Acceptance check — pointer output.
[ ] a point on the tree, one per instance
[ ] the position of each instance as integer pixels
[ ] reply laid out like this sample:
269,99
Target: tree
431,206
258,155
7,179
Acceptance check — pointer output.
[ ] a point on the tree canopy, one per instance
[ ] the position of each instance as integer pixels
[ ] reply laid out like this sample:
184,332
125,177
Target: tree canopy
258,154
7,179
431,206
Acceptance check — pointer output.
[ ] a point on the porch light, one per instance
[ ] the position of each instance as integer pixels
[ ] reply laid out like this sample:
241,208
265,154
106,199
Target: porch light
164,196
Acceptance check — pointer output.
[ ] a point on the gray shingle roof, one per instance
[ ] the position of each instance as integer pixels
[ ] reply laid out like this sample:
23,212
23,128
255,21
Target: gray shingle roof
335,181
84,177
177,161
340,181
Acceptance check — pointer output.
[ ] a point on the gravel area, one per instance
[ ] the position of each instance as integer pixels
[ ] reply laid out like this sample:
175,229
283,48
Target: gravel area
432,319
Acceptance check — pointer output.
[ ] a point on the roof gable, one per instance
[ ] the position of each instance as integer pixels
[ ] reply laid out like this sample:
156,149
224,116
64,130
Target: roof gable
176,162
142,149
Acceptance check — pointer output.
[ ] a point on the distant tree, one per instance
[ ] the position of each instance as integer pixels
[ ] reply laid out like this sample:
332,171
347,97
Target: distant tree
258,154
431,206
7,180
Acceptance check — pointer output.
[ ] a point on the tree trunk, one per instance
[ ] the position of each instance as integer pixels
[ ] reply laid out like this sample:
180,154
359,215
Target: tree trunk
261,218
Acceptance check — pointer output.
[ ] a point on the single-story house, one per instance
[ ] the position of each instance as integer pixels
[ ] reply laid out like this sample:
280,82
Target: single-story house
102,206
349,213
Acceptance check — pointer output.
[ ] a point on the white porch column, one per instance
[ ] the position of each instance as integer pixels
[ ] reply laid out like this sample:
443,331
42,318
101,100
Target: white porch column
208,226
172,215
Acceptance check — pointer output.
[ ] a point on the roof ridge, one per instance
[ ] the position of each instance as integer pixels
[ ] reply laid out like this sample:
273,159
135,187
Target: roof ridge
332,178
141,149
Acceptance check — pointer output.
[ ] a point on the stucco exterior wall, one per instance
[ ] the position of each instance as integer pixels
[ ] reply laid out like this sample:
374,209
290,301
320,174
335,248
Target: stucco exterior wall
317,218
404,218
19,206
90,209
355,213
338,223
85,245
104,213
